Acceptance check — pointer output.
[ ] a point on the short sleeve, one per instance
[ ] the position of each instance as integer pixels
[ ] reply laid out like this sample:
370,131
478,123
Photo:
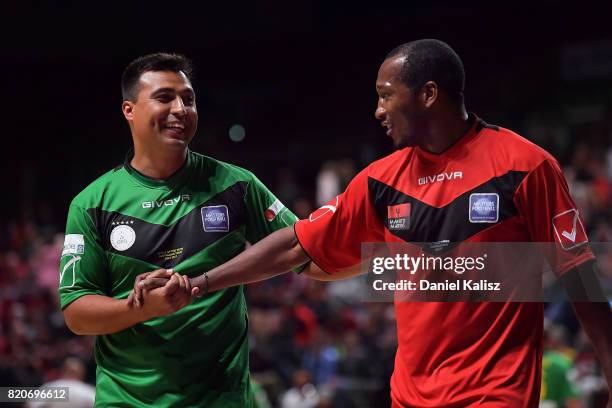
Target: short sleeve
333,234
550,216
266,213
83,265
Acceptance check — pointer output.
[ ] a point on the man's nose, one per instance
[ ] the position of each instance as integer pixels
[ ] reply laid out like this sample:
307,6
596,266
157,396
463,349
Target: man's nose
178,106
379,113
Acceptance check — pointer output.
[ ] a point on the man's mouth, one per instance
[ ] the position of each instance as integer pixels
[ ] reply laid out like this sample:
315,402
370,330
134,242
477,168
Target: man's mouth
388,126
175,129
174,125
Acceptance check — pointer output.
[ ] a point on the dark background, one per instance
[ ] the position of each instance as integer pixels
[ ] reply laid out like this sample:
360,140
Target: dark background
299,76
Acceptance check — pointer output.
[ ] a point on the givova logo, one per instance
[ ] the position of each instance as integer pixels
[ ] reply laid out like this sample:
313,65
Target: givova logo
166,203
440,177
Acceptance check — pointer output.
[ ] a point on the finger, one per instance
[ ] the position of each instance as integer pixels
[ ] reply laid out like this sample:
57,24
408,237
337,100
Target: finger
195,292
187,291
130,299
137,292
138,286
187,284
161,273
172,285
153,283
179,299
152,280
182,285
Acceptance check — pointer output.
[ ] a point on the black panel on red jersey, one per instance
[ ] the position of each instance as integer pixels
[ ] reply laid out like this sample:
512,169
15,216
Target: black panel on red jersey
450,223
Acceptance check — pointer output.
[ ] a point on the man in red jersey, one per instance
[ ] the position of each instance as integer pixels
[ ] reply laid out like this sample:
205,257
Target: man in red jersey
495,187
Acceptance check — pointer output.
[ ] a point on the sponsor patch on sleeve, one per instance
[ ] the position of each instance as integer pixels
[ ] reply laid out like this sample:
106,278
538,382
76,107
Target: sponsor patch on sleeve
569,230
74,244
272,211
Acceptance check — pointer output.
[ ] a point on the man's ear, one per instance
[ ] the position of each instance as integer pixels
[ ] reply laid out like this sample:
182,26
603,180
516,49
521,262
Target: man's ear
127,107
429,94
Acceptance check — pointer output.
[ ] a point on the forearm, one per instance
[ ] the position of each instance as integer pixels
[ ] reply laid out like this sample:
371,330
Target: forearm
596,320
593,311
98,315
277,253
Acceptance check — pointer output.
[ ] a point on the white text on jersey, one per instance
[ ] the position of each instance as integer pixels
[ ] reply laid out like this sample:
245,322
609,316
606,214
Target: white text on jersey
440,177
167,203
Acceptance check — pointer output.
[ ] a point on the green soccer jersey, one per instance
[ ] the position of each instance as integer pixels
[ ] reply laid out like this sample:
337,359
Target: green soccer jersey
124,224
556,386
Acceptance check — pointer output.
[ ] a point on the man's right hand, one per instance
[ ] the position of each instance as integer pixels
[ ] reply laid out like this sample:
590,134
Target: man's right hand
160,292
167,299
156,279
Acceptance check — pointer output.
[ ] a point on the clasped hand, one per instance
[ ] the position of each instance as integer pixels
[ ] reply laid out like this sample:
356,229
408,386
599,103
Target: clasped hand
163,291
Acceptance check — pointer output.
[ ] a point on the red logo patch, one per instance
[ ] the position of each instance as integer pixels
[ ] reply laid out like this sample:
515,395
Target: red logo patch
399,216
569,229
275,208
269,214
398,210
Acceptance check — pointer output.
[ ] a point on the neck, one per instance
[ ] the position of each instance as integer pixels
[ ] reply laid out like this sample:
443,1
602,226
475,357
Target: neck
158,164
446,130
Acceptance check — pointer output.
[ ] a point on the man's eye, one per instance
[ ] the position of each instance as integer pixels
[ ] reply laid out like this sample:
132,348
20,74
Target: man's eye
189,101
164,98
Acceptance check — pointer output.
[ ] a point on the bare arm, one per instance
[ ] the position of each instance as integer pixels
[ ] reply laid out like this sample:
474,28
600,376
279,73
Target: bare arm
593,312
278,253
98,315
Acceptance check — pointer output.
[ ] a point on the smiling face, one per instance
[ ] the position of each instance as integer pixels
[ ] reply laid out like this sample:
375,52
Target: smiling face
164,115
398,106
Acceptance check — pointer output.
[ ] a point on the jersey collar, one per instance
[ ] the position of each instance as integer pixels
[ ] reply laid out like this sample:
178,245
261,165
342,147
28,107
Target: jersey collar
174,181
476,125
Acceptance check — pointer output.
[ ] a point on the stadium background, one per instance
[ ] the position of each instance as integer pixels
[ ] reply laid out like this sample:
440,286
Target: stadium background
299,79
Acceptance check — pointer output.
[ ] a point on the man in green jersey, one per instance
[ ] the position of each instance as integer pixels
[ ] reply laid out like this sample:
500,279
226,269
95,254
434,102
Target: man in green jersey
166,208
557,390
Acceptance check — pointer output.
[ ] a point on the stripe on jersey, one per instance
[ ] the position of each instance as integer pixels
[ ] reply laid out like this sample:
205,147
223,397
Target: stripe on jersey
167,246
430,224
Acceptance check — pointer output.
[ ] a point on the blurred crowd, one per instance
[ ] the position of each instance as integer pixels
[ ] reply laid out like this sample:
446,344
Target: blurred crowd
313,344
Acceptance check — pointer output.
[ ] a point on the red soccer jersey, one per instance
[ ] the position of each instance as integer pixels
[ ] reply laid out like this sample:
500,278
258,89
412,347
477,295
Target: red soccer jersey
490,186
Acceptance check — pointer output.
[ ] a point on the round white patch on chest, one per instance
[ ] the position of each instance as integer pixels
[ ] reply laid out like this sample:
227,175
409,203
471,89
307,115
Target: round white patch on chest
122,237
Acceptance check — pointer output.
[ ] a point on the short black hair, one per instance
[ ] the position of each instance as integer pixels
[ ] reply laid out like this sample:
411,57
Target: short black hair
431,60
159,61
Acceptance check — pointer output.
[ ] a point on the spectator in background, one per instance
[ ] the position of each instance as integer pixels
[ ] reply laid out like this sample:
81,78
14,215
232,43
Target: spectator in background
558,390
333,178
80,394
303,394
328,183
321,359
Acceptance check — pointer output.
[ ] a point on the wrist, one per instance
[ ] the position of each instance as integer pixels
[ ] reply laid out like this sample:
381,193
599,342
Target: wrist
202,282
140,314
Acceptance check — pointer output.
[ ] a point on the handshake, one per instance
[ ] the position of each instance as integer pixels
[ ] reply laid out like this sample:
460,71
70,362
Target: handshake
164,291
